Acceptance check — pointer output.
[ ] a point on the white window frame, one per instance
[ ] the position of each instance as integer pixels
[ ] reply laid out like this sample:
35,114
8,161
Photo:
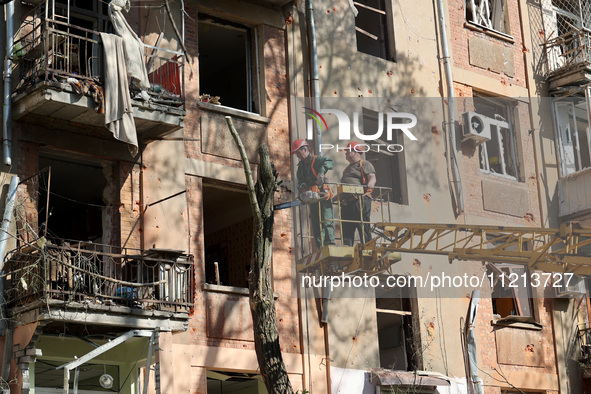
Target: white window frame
567,135
497,126
483,15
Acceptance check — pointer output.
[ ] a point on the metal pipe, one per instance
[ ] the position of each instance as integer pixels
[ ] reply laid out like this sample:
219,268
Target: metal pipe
7,110
314,79
457,182
531,115
471,343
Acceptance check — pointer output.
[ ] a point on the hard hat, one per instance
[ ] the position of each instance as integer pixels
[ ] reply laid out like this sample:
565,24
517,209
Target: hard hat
351,147
297,144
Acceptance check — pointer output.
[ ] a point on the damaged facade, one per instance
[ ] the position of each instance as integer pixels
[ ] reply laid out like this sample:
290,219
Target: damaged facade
131,224
508,62
132,229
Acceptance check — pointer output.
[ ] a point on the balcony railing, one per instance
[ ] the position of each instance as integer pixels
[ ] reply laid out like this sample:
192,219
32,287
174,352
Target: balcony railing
51,50
99,274
569,51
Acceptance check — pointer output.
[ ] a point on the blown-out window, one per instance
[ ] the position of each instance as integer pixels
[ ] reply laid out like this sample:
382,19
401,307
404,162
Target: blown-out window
227,71
499,154
374,28
491,14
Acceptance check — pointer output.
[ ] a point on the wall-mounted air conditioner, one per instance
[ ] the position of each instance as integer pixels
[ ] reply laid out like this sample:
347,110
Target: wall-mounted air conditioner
476,127
576,286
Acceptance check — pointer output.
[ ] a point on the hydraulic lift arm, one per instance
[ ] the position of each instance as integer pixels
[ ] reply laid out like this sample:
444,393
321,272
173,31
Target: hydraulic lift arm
567,249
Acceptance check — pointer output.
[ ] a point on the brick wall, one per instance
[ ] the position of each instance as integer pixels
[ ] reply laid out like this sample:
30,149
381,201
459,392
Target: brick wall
277,133
27,197
461,34
130,205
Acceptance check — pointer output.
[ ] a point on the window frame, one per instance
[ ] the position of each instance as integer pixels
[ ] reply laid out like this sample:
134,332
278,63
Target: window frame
572,138
471,4
386,28
396,161
252,89
516,292
497,126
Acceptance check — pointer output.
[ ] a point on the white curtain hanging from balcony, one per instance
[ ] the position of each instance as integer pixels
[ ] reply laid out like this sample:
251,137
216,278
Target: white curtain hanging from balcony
133,46
118,109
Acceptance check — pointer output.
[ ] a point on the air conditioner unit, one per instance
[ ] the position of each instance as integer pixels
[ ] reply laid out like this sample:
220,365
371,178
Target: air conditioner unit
476,127
576,286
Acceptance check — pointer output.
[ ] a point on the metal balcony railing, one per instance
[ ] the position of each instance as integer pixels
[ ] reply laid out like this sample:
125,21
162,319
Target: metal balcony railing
568,51
47,48
340,196
100,274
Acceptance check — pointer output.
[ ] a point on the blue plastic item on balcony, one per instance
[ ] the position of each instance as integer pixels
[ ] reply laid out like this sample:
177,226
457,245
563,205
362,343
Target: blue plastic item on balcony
126,292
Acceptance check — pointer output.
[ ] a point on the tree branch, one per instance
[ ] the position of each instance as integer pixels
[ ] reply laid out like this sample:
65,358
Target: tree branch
247,172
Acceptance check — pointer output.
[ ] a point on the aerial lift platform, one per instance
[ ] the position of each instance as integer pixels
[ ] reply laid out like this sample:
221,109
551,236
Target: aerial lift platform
564,250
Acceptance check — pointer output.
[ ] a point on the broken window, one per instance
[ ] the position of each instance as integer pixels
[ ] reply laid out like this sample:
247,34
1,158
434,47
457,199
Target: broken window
491,14
71,202
374,28
573,135
226,382
228,229
511,292
390,166
227,71
398,350
499,154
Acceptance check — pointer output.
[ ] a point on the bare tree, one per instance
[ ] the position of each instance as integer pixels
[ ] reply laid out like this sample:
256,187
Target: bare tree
260,290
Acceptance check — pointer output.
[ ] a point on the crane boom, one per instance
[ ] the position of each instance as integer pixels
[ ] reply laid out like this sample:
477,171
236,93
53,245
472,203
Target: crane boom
567,249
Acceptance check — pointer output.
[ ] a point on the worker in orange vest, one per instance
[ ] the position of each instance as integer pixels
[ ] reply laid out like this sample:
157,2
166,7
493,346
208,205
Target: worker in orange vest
311,172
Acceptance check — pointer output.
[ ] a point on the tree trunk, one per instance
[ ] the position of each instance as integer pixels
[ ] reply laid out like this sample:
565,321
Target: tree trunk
260,290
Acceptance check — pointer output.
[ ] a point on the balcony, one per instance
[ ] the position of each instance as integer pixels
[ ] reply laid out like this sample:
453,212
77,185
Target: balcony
568,58
59,69
96,285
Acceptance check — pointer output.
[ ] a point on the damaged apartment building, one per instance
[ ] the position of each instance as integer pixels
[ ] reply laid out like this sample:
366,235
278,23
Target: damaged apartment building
130,229
500,93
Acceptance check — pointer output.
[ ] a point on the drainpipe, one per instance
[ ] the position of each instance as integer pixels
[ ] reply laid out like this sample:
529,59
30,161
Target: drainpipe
471,342
457,182
6,118
313,53
532,127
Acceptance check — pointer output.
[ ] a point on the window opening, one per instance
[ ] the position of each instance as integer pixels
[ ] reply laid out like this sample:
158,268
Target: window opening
499,155
75,199
228,229
491,14
226,67
372,26
574,139
510,300
390,166
226,382
395,330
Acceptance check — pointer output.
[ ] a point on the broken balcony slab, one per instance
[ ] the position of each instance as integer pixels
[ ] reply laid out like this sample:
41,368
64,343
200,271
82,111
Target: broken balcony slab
91,314
580,75
59,101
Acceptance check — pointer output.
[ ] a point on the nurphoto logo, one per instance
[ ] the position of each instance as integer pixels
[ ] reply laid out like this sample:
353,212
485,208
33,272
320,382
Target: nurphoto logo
402,121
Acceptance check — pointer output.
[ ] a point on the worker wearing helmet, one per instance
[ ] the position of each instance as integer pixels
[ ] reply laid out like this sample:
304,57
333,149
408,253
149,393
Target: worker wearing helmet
356,209
311,172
